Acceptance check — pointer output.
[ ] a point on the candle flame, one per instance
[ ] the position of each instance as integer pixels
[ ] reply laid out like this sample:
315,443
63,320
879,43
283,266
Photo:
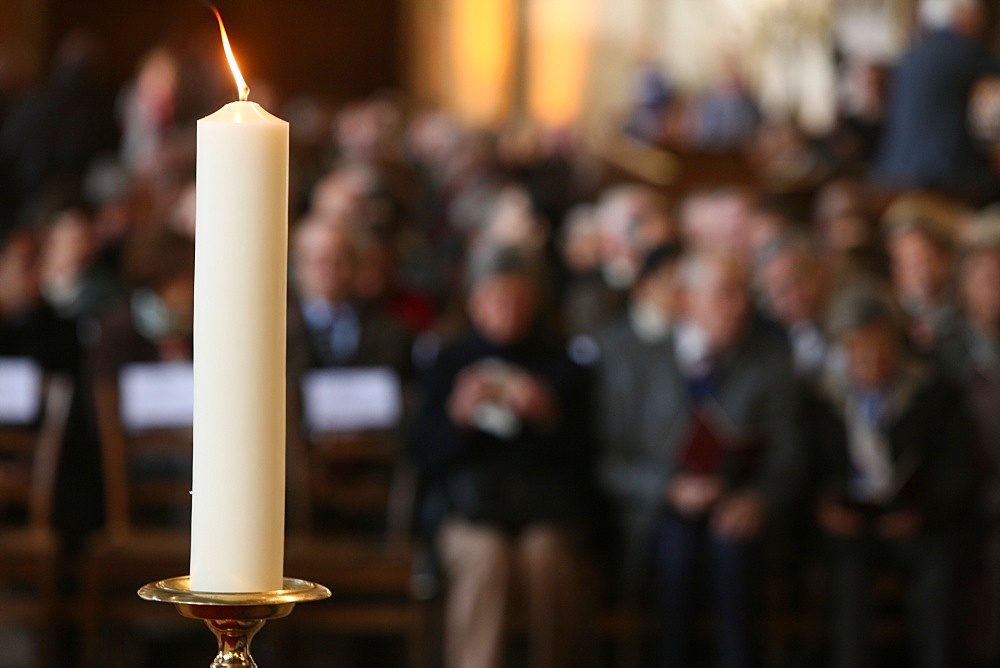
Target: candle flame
241,84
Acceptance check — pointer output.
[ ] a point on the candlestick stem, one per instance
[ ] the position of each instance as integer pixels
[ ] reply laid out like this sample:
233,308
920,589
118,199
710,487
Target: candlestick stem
234,636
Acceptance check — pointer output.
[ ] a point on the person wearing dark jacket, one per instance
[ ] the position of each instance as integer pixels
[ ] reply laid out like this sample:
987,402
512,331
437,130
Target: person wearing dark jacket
712,457
499,442
626,376
970,356
893,480
156,323
328,326
926,140
28,326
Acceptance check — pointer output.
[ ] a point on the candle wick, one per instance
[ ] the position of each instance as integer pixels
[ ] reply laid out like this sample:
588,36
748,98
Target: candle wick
244,93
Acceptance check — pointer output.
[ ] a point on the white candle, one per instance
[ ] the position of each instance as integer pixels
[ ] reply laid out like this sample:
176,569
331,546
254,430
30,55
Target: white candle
241,241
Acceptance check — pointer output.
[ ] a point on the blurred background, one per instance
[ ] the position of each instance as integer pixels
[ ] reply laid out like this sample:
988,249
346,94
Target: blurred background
551,60
625,295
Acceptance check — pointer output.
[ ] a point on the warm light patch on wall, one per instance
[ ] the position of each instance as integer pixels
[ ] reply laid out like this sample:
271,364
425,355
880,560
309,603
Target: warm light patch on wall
481,59
559,45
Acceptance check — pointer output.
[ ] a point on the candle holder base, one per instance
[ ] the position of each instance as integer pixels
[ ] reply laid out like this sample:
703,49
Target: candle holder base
233,618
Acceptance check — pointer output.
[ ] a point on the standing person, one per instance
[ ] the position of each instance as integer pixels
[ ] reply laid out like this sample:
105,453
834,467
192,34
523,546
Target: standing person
970,357
499,442
146,109
721,459
926,141
892,480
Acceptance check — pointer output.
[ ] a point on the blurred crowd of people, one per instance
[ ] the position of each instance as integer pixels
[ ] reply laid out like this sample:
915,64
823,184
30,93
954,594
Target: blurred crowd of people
672,384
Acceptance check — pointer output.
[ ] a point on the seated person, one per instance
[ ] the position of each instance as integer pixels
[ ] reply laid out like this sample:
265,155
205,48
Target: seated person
498,442
794,287
156,325
970,356
72,281
719,456
628,222
327,325
920,257
28,326
889,442
380,284
624,376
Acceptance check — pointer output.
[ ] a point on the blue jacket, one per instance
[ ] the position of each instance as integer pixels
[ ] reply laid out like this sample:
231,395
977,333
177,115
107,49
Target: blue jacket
926,141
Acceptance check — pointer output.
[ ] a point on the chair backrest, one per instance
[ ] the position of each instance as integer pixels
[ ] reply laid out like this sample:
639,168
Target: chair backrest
346,480
30,446
146,449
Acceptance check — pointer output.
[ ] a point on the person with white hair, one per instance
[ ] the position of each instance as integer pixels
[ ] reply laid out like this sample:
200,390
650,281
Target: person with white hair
943,14
720,459
926,141
628,221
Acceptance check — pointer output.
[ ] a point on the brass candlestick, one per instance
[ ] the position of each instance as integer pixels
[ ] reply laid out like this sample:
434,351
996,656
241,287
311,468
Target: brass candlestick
233,618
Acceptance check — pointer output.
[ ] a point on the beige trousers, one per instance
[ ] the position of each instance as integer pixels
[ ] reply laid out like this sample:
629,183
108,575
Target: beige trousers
482,567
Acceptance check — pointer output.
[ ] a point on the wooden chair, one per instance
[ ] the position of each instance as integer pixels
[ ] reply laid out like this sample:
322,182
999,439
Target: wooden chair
349,506
147,527
29,546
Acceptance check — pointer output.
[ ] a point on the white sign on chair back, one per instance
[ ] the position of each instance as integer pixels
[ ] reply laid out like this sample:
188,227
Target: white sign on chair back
20,390
156,395
351,399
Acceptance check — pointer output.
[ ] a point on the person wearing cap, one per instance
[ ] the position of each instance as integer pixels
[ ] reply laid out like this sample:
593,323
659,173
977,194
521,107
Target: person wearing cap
892,479
500,445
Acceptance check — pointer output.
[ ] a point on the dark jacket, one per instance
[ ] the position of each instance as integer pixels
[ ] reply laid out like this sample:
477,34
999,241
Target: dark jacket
928,436
41,334
979,381
624,380
755,400
119,343
506,482
382,342
926,141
